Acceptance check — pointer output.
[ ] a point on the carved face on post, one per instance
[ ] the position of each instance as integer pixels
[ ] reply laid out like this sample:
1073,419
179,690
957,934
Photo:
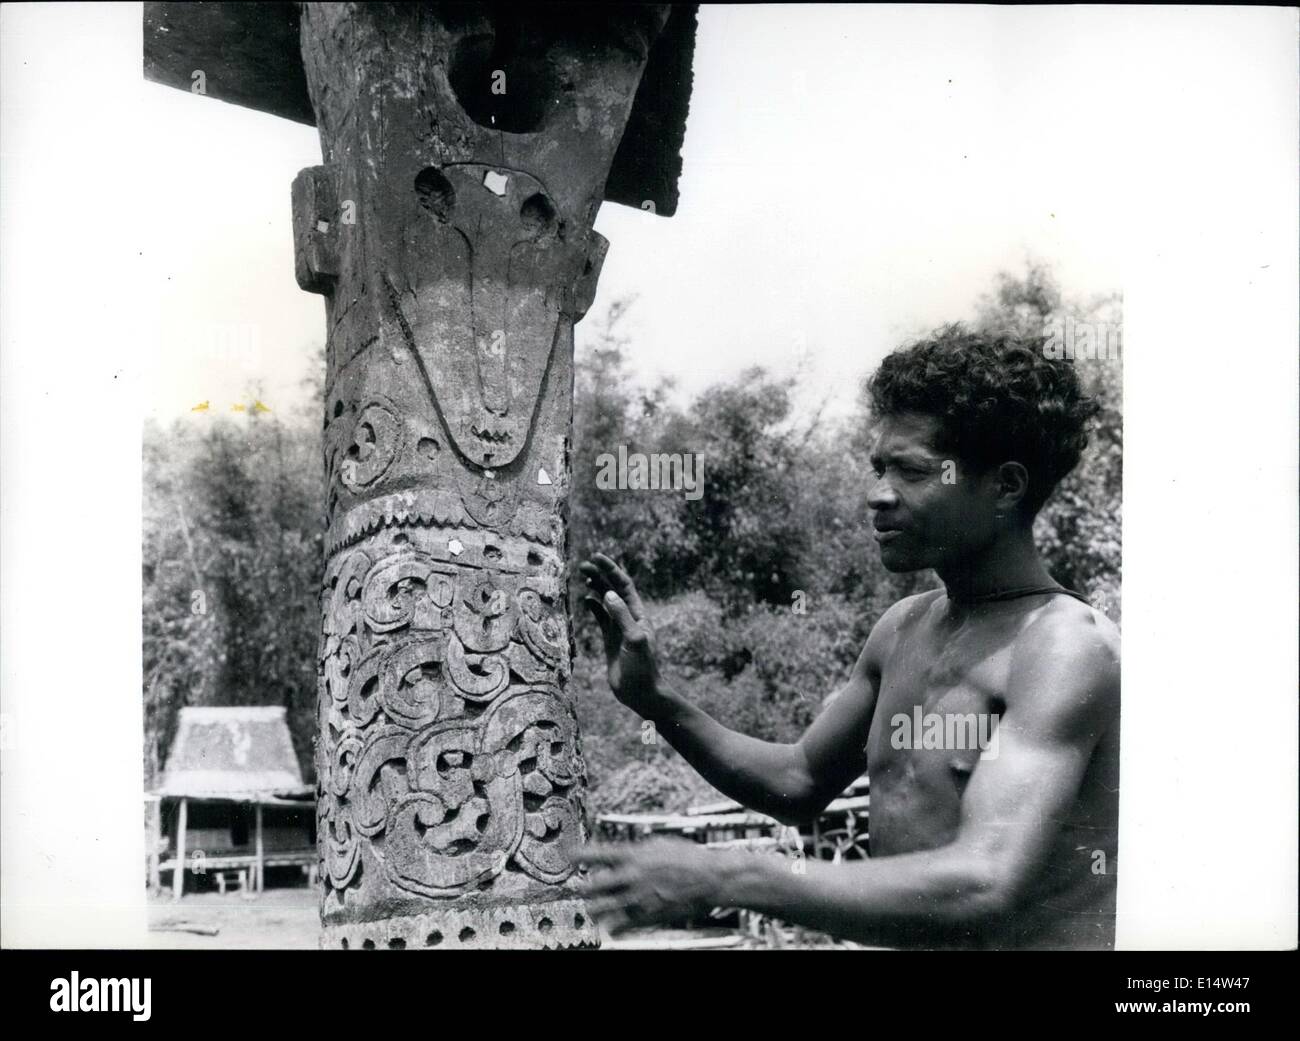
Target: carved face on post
475,241
489,243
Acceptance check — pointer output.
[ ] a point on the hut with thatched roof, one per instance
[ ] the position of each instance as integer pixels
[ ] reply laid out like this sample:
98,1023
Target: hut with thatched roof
232,799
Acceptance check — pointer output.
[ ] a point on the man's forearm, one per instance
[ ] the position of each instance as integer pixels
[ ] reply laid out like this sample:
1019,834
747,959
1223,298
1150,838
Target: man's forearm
930,898
768,777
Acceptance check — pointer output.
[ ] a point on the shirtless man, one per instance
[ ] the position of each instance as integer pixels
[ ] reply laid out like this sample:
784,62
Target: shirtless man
1014,849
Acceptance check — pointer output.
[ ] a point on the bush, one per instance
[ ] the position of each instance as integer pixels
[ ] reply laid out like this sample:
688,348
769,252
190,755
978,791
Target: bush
764,673
762,592
665,783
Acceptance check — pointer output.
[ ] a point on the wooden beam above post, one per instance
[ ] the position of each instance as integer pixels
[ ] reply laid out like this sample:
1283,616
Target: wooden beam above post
249,55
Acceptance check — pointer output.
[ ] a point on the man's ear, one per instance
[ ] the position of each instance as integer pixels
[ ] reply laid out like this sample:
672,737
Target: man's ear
1013,486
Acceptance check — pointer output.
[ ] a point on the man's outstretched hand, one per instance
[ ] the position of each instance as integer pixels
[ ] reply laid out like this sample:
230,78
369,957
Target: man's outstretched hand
629,640
652,882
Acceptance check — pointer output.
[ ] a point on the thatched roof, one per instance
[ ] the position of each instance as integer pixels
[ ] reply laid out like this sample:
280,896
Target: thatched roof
242,752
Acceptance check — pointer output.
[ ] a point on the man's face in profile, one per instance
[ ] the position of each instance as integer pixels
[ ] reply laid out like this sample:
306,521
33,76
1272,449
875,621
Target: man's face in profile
927,510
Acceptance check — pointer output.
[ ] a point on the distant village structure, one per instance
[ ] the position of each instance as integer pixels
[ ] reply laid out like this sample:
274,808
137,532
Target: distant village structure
838,833
232,802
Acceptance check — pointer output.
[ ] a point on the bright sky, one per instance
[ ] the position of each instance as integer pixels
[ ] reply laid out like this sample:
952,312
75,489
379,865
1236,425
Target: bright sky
838,189
852,176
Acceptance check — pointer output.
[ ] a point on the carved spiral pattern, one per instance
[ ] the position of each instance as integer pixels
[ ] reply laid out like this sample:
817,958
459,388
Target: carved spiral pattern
449,752
372,447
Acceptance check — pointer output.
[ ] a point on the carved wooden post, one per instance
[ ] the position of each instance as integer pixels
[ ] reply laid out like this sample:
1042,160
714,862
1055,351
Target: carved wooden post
455,256
467,150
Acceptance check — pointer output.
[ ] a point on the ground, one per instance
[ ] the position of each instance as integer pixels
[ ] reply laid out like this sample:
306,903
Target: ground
286,919
281,918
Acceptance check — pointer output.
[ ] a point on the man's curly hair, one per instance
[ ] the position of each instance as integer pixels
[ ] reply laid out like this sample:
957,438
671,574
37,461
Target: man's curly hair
998,398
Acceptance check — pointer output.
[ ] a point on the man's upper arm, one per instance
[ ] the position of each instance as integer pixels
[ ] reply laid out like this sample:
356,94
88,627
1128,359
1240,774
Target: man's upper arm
1062,696
835,745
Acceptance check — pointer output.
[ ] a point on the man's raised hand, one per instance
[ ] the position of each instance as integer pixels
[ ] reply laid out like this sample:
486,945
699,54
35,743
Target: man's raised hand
629,650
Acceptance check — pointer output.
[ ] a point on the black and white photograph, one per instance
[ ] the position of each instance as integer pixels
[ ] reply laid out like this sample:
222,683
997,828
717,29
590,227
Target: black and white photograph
649,478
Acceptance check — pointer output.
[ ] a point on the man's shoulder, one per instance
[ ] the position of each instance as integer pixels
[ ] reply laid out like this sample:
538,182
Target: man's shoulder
909,610
898,618
1067,659
1066,626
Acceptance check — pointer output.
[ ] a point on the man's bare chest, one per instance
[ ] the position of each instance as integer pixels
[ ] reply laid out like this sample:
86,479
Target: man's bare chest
940,702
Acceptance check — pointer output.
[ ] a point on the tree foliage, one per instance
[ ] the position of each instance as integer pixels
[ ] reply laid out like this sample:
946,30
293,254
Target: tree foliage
232,553
762,591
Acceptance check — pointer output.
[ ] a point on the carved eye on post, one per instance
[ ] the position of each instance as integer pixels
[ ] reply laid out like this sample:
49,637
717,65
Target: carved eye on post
537,215
435,192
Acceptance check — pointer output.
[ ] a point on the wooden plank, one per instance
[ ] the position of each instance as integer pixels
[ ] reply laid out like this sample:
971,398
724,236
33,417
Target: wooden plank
680,821
185,927
248,54
178,875
257,870
294,858
155,841
711,943
291,858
